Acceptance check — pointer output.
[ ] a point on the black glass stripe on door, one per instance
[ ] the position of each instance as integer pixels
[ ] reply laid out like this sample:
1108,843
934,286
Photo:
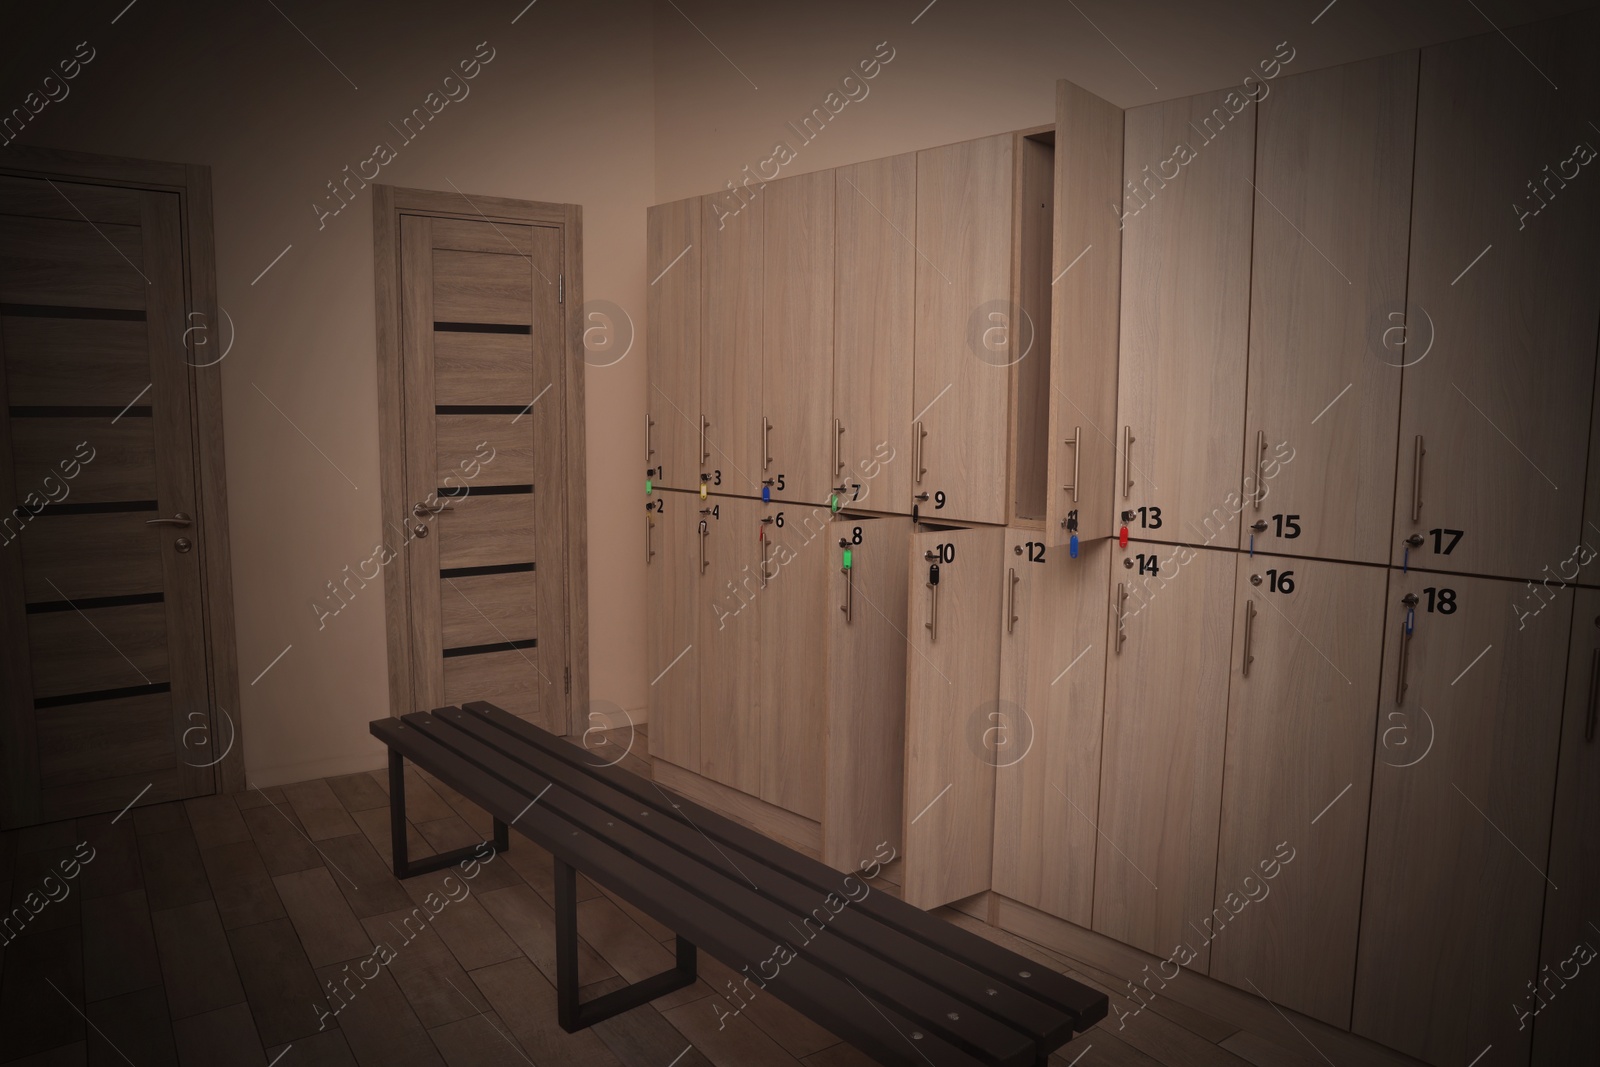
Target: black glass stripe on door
102,694
80,411
62,311
473,572
484,490
498,646
44,607
480,327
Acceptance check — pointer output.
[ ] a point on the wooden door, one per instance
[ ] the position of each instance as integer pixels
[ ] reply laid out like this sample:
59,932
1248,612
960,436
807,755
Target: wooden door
952,685
1085,277
1564,1006
963,331
1302,706
1165,733
864,764
1584,559
731,241
729,642
481,338
1458,836
1185,317
1052,697
104,671
792,598
672,567
875,208
1503,261
1331,146
797,338
672,429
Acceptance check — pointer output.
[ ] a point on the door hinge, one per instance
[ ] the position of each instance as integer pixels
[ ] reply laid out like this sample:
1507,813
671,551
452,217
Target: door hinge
561,289
567,672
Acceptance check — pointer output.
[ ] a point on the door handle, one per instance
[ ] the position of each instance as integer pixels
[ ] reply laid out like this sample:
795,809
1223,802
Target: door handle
1416,480
1011,602
1261,455
649,529
178,519
1122,615
422,511
766,443
916,442
1594,695
763,540
1249,627
849,592
704,533
838,440
705,453
932,624
1075,441
1127,462
1410,601
649,449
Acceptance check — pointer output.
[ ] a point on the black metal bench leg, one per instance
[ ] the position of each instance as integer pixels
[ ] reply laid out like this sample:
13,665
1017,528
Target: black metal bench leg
403,866
575,1015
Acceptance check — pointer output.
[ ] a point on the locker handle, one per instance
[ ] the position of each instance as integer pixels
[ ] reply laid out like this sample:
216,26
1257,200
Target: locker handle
916,442
705,453
849,592
705,532
763,559
1410,601
1594,695
1249,632
1416,480
649,530
766,443
1127,462
1075,441
1122,600
649,448
932,625
1011,602
838,439
1261,455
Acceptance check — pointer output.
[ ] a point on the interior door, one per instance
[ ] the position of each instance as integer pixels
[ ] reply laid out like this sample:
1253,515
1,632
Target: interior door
875,205
104,670
729,626
963,333
731,243
1165,733
1470,716
952,668
1308,649
481,343
672,429
1331,145
1047,745
672,561
1185,317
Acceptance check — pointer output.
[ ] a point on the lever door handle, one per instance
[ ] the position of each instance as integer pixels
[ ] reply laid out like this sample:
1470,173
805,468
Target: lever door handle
178,519
422,511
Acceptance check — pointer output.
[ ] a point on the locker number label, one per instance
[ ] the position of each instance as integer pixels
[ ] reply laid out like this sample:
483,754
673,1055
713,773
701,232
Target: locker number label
1148,564
938,500
1441,600
1280,581
855,536
1288,526
1150,518
946,552
1035,551
1445,541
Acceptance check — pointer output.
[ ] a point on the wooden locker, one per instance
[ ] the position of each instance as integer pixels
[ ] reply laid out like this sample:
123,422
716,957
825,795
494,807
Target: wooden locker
1186,219
1459,829
1046,741
791,599
1503,259
731,230
1564,1006
865,614
1308,651
729,628
1165,732
952,685
1327,307
875,208
962,364
1085,280
674,591
672,408
797,331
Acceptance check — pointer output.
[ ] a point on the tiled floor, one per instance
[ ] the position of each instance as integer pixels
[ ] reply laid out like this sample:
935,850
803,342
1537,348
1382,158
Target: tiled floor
266,928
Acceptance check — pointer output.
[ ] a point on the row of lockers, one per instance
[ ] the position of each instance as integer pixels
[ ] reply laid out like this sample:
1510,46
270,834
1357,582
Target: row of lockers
1332,339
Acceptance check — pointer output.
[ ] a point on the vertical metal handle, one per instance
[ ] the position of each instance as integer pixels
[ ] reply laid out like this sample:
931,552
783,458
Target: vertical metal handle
1075,441
933,611
704,533
849,591
1127,462
1011,602
649,530
705,453
1410,601
1416,480
916,442
1122,600
1594,695
838,452
766,443
1249,629
763,558
649,448
1261,455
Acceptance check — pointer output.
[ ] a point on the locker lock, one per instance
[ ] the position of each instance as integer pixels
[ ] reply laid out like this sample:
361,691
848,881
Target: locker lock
1127,516
1415,540
1017,549
1259,525
921,497
1127,561
1255,579
931,556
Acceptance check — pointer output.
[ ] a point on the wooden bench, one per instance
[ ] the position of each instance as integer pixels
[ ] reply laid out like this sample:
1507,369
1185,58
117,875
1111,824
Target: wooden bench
901,985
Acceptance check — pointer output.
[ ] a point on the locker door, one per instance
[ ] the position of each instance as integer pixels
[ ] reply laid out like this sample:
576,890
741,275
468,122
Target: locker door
1503,259
1185,317
672,429
797,346
962,376
1460,822
1165,723
875,206
673,584
792,598
1566,1011
1046,743
730,356
1584,559
866,692
952,684
1331,146
1308,650
729,628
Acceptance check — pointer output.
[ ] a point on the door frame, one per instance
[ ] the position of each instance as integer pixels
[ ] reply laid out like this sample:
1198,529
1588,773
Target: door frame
192,184
389,203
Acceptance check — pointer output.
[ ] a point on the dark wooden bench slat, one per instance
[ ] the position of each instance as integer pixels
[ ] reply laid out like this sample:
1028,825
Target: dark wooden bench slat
875,1028
931,1008
997,962
1045,1023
